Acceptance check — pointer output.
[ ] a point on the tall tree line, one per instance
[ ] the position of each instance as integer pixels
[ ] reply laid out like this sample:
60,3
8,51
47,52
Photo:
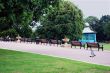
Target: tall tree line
101,26
66,20
16,15
58,18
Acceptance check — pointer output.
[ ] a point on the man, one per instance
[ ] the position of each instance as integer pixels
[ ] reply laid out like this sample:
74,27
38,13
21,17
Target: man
92,53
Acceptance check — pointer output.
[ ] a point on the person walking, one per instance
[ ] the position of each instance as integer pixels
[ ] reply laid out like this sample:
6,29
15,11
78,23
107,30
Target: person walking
92,53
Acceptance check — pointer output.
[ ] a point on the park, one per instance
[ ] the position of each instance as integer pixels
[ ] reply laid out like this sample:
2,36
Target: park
53,36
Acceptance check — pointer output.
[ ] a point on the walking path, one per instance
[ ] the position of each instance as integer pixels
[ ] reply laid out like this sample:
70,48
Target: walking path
101,58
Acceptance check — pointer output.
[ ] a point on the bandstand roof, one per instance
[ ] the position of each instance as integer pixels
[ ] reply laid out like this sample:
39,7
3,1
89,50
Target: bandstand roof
87,29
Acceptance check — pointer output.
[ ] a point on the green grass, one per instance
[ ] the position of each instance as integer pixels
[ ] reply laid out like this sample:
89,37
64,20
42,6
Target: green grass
20,62
106,46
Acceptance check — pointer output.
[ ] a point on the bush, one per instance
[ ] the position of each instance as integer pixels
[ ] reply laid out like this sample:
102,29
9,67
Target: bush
11,33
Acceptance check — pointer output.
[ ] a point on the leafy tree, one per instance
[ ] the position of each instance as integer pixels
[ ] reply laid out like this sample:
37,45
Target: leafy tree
93,21
18,13
107,30
105,22
101,36
25,31
100,26
64,20
40,5
10,32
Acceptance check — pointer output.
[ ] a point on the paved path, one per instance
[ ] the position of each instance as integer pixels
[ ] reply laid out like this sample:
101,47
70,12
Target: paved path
102,58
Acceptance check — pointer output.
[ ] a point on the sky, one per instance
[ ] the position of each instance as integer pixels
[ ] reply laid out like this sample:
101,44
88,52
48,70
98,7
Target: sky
96,8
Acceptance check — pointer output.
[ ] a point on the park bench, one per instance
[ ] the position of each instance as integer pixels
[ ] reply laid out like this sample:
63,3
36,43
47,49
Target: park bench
94,45
77,43
6,39
29,40
22,40
26,40
13,39
58,42
37,41
44,41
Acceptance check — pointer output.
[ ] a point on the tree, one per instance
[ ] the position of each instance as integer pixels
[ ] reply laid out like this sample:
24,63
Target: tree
25,31
93,21
64,20
100,26
100,30
105,21
107,30
10,32
18,13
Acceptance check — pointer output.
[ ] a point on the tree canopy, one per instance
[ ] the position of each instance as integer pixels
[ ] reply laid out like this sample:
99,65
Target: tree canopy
93,21
101,26
19,13
105,25
64,20
107,30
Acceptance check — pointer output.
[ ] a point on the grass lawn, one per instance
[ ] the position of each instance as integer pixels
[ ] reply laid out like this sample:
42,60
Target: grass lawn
20,62
106,46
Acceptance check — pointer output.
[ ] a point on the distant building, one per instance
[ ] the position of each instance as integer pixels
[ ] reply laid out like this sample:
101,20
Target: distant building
88,34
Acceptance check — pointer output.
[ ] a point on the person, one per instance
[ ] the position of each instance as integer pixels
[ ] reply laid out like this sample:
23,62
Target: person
65,41
18,38
92,53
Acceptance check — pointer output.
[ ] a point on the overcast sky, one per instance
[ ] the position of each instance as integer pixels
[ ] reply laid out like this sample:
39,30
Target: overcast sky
93,7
